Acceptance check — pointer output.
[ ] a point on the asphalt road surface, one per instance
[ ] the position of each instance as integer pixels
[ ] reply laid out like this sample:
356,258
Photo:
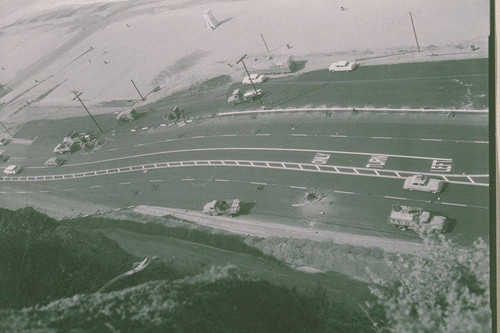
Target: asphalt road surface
269,162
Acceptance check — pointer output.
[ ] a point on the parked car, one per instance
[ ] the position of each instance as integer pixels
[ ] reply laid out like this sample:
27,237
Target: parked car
12,170
222,207
54,162
423,183
256,79
239,97
343,66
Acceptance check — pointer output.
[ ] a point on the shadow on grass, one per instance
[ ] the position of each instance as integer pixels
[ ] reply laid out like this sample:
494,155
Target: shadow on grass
299,65
246,207
304,93
451,226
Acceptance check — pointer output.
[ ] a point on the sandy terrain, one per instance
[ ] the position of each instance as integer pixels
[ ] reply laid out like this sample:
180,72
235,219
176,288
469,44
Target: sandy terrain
51,48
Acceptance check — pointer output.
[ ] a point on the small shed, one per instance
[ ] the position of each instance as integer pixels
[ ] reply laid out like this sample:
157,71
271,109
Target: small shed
210,19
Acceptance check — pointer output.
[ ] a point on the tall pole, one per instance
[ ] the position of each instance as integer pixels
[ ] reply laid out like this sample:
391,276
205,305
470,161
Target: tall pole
78,96
6,129
414,32
251,81
264,42
142,97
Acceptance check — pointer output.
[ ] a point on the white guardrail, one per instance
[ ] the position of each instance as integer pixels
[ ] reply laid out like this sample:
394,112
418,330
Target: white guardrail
350,109
475,180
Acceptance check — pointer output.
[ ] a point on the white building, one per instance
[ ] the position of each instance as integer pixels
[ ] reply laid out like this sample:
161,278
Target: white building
210,20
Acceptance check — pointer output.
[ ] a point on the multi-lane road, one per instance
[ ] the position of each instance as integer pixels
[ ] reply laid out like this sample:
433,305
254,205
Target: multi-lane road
358,161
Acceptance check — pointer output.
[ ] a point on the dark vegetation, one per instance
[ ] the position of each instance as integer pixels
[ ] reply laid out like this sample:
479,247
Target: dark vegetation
55,269
216,301
42,260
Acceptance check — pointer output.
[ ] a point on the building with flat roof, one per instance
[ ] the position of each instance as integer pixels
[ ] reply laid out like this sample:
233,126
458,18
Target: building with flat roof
271,64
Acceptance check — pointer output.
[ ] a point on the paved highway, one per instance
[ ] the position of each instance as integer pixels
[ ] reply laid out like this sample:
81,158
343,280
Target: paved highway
270,161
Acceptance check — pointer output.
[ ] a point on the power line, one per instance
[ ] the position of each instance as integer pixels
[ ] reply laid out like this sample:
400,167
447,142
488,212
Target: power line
414,32
142,97
264,42
5,128
78,96
251,81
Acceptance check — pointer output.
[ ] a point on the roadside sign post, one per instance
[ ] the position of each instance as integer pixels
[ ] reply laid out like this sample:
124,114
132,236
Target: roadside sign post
251,81
78,96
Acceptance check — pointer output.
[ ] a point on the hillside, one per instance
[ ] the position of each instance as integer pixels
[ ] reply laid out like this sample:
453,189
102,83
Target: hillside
42,260
216,301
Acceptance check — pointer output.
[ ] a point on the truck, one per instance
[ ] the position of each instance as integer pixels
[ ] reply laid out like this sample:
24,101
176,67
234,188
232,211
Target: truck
127,115
423,183
406,217
54,162
222,207
241,97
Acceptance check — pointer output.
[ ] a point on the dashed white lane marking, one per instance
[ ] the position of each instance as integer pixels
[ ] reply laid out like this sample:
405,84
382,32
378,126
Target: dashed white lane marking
437,140
397,198
125,183
299,134
228,134
344,192
257,183
197,137
3,192
382,137
68,189
113,149
156,180
453,204
43,191
138,145
95,186
221,180
298,187
263,134
187,179
338,136
480,141
23,192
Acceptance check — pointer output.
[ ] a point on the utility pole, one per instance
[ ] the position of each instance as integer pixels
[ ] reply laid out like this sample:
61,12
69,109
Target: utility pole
414,32
142,97
6,129
264,42
78,96
251,81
